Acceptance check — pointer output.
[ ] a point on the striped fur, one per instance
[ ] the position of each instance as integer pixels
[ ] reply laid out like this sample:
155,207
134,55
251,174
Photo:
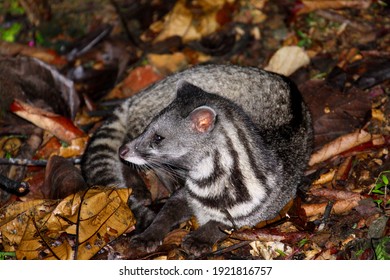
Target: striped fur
242,170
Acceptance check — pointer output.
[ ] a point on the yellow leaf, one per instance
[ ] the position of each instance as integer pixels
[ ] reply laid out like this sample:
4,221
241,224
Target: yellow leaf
45,229
287,60
181,21
168,63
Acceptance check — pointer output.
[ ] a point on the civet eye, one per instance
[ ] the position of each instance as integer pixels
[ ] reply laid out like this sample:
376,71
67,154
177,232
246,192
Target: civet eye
157,139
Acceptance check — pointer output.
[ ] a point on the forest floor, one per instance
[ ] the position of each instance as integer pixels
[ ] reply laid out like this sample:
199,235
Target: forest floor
337,52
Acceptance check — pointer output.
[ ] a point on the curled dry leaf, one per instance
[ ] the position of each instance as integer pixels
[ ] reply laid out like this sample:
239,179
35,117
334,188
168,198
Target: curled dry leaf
45,229
287,60
58,125
325,178
8,49
312,5
138,79
175,237
335,194
62,178
340,145
267,234
344,201
339,207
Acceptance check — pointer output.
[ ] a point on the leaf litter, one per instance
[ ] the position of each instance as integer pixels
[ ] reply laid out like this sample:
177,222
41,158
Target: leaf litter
339,62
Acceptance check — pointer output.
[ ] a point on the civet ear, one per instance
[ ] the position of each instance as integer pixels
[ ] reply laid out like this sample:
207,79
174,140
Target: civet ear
202,119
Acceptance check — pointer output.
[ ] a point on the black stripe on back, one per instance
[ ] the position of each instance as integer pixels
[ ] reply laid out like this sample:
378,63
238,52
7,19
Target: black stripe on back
259,173
108,133
103,149
236,178
250,132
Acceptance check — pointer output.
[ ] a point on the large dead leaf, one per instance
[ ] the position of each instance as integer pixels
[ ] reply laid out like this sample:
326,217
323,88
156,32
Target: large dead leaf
62,178
339,207
38,83
287,60
184,22
347,143
334,113
312,5
340,145
60,126
168,63
13,49
139,78
50,229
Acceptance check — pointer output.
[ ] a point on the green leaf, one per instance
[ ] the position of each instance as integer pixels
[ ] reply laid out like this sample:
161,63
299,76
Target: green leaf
7,254
377,191
379,186
382,250
303,242
39,38
10,34
378,202
280,252
15,8
385,179
8,155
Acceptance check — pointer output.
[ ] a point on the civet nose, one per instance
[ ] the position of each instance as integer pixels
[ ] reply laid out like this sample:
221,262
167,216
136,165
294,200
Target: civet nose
123,151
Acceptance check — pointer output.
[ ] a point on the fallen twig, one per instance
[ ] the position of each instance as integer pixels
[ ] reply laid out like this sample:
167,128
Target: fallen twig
336,17
13,186
31,162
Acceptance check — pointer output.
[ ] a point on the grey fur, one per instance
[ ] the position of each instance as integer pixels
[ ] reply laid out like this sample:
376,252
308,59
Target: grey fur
243,170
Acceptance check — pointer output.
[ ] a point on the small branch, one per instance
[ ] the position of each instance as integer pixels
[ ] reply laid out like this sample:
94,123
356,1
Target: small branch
43,238
77,243
336,17
122,18
30,162
12,186
231,248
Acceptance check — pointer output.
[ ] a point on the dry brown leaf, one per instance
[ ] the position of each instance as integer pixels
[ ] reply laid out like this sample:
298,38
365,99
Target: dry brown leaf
75,148
168,63
35,229
325,178
138,79
46,55
377,114
312,5
282,213
268,234
62,178
287,60
53,146
344,169
344,202
335,194
175,237
58,125
334,112
339,207
182,22
340,145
